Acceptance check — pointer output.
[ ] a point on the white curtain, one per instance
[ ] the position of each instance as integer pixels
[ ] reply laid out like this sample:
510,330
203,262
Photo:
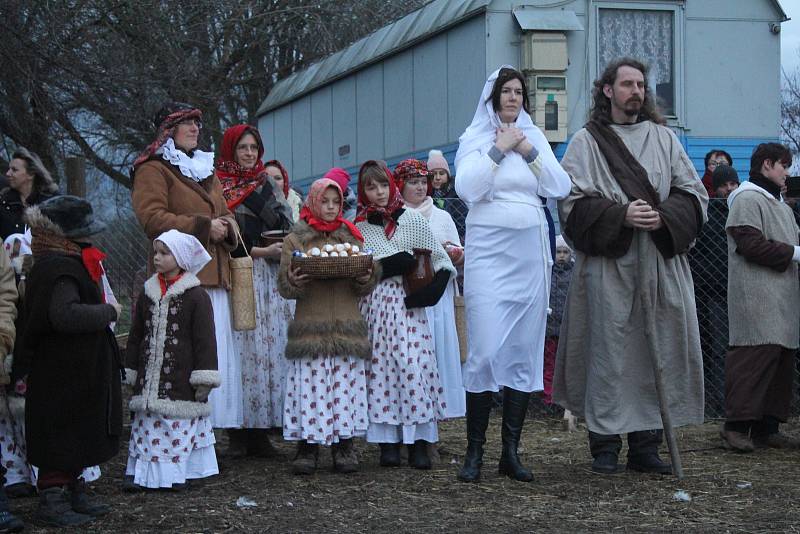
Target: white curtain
645,35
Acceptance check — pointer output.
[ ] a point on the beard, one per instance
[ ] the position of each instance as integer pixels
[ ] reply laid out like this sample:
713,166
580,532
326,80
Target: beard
632,107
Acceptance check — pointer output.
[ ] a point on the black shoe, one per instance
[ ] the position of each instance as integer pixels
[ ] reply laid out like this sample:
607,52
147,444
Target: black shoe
390,454
649,463
10,523
79,498
515,406
605,463
129,486
20,490
55,509
418,455
479,406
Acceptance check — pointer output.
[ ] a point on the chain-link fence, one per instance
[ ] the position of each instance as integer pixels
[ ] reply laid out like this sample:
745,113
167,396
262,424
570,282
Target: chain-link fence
127,249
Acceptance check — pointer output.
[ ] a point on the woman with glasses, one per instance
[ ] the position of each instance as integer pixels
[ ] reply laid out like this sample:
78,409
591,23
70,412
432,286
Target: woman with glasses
714,159
174,187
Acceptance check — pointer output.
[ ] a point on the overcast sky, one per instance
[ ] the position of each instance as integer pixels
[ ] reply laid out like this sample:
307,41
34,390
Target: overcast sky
790,36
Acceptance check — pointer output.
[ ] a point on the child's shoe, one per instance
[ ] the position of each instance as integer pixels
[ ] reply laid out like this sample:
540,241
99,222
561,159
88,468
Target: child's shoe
344,456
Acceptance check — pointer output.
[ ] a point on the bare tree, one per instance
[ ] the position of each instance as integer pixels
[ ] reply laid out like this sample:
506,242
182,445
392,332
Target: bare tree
86,76
790,110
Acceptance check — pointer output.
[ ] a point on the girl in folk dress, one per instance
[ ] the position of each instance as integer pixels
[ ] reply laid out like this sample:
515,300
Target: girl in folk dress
259,205
405,396
415,183
326,390
171,363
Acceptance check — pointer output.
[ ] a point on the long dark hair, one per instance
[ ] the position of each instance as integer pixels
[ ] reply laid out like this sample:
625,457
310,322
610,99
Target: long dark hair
506,75
601,104
42,180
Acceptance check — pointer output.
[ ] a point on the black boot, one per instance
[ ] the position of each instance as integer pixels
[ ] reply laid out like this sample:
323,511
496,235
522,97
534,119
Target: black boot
390,454
479,405
259,444
605,452
81,503
237,443
515,406
55,509
8,521
418,455
643,452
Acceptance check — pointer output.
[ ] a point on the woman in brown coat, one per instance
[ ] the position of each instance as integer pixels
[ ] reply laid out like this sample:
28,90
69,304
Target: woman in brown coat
175,188
325,399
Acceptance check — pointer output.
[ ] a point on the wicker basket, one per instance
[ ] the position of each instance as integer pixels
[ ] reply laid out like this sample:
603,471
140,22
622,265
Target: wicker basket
349,267
461,327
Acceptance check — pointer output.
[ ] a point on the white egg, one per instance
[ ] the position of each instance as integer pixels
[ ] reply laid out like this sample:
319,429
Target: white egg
355,249
303,255
314,252
340,247
328,248
347,246
323,254
334,254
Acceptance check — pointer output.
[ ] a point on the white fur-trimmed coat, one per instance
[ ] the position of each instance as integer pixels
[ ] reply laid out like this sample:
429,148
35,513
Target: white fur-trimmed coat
172,349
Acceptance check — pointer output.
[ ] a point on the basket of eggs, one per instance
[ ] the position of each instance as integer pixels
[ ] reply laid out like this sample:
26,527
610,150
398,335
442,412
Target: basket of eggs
341,260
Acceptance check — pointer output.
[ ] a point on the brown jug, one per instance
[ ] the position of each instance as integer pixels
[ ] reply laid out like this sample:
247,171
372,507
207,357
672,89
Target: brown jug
422,273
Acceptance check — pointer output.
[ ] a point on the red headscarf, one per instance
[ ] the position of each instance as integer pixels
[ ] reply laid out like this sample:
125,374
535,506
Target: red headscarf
311,212
366,208
238,182
409,168
280,167
165,130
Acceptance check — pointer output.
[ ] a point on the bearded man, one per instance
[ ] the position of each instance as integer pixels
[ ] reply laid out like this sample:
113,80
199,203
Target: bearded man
635,207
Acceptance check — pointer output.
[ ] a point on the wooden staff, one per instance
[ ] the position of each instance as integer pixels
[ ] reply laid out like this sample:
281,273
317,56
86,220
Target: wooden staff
646,290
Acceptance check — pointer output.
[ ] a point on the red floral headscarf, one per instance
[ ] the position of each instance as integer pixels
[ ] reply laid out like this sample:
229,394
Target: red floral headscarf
409,168
312,214
238,182
167,119
280,167
366,208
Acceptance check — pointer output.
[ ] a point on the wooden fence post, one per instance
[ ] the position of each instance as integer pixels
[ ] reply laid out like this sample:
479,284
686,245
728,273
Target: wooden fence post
76,176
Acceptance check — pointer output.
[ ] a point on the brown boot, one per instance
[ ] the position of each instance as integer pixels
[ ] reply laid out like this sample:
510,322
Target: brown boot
345,459
736,441
305,461
259,445
237,443
777,440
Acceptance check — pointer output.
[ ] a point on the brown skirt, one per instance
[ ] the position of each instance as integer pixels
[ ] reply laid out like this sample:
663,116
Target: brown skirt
758,382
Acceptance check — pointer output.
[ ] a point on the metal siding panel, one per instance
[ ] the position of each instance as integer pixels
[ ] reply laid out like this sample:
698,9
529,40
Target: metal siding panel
466,62
369,100
344,117
321,131
301,138
430,93
283,137
266,127
398,103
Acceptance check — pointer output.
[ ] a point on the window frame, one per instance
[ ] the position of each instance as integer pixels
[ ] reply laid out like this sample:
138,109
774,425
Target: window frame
677,8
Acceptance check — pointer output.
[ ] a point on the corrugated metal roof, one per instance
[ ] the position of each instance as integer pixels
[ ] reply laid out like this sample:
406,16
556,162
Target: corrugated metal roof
412,28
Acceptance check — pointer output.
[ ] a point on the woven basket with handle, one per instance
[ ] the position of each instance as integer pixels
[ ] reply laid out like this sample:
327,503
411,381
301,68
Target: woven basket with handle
348,267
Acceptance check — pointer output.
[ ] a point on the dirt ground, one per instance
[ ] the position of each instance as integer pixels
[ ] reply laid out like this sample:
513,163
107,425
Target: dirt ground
729,492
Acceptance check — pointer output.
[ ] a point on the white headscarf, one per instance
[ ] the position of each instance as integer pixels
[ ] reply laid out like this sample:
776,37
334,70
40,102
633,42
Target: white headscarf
482,132
190,254
561,242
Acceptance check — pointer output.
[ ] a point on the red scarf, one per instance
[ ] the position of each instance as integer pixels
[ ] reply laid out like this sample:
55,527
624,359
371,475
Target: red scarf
92,257
278,165
166,283
238,182
310,212
365,208
165,131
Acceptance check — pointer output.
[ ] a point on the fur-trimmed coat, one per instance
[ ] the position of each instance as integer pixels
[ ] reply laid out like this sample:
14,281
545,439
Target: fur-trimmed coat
327,319
172,349
163,199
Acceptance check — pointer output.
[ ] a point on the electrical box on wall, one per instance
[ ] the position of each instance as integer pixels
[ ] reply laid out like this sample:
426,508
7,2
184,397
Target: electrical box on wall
544,63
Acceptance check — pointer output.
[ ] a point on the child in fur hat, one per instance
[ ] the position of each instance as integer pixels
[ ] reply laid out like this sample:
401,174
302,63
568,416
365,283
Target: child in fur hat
325,399
171,363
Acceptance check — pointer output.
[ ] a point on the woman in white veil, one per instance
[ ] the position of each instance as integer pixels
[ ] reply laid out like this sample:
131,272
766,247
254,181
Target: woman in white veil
505,171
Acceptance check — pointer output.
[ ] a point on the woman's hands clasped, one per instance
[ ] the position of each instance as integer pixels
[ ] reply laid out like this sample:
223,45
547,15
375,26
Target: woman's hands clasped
512,138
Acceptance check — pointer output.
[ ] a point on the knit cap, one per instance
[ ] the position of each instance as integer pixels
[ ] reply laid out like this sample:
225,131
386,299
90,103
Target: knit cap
722,175
436,161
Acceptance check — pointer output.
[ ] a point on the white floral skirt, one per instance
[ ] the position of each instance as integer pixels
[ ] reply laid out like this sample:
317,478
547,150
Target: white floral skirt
403,390
165,451
326,399
262,350
13,449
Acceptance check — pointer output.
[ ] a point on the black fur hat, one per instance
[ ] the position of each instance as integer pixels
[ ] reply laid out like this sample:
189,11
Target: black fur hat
65,215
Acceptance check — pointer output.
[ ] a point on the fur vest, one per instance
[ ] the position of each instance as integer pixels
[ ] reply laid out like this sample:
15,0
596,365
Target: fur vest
327,319
172,349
